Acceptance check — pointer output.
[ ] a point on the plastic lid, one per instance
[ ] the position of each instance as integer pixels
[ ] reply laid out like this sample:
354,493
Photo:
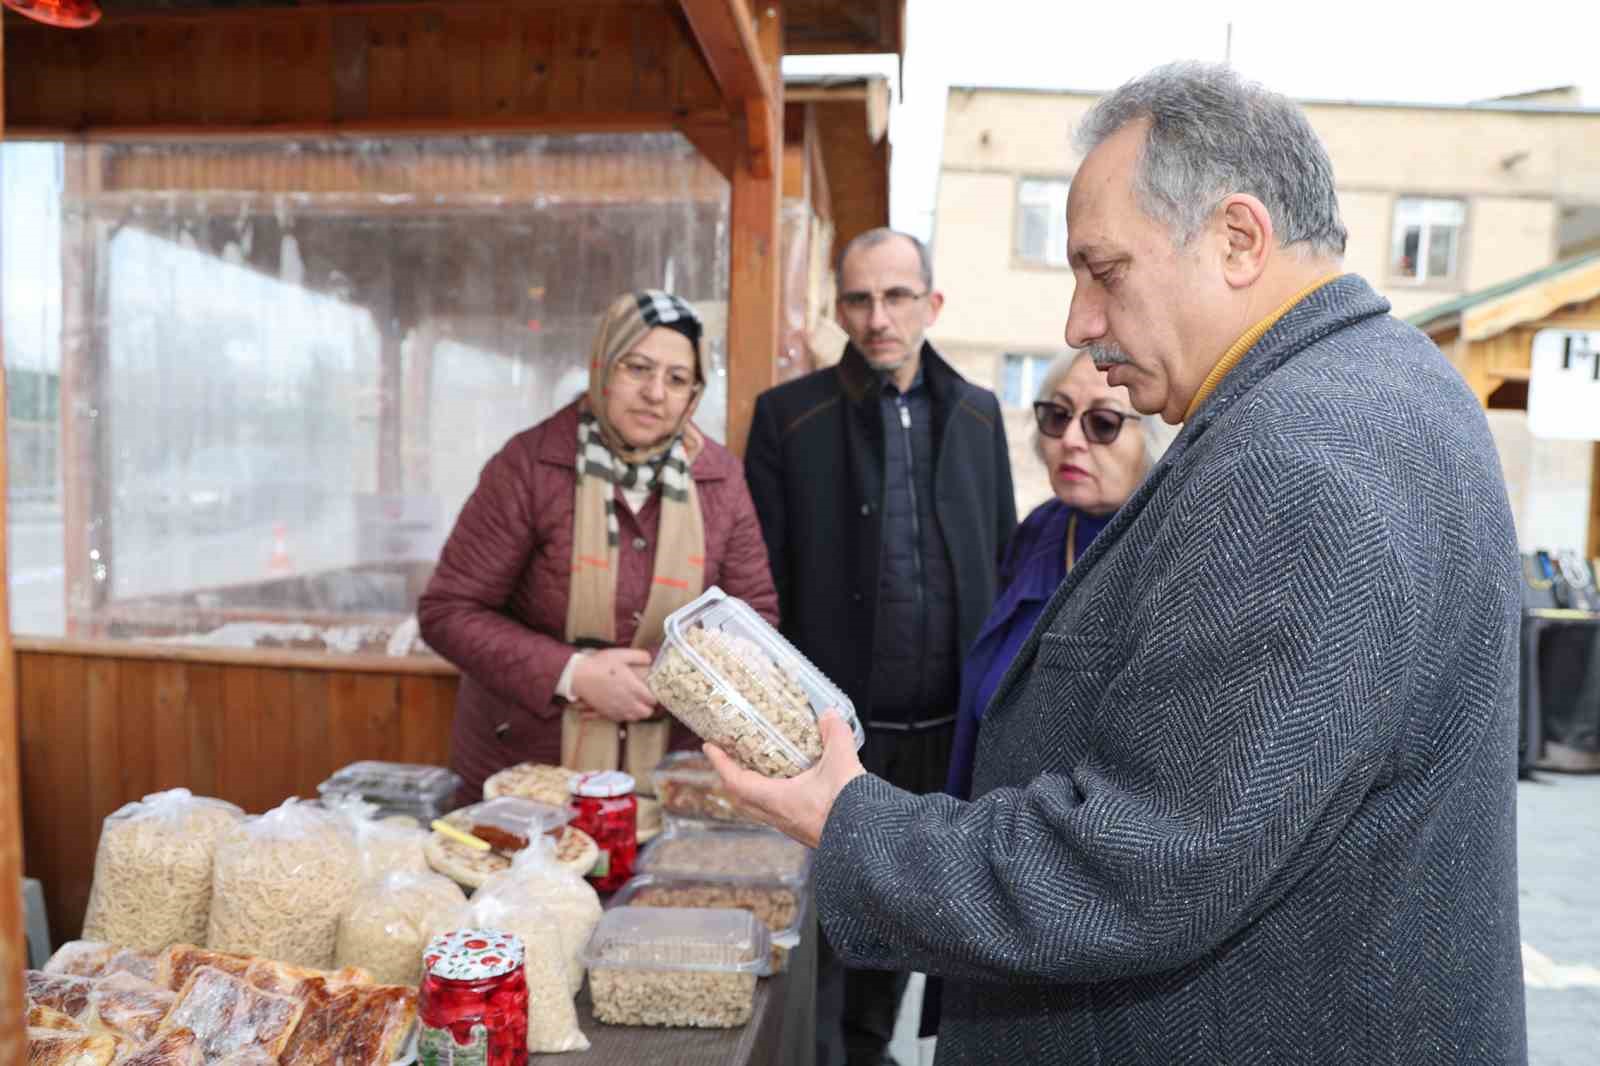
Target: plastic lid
735,852
602,784
472,954
678,938
392,781
515,814
772,899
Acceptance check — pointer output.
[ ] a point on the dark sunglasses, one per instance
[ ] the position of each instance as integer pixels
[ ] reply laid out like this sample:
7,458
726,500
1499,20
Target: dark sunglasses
1100,426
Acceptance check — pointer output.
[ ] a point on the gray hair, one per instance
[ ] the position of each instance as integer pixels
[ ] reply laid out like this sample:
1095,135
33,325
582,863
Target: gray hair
874,237
1213,134
1158,436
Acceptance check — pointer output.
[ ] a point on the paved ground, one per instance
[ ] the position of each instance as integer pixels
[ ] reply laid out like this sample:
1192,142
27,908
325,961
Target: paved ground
1558,861
1558,857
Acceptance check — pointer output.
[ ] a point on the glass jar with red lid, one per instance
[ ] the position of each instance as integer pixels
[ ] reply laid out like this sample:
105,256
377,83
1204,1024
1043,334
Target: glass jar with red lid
604,806
473,1005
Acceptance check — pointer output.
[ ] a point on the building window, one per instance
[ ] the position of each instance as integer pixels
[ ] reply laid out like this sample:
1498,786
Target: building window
1427,239
1042,221
1020,376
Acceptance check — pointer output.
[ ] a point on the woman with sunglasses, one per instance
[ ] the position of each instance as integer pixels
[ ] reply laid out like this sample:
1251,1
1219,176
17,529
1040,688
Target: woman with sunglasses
1097,450
583,534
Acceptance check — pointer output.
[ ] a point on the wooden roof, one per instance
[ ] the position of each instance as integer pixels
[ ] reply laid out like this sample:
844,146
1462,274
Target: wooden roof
813,27
1493,310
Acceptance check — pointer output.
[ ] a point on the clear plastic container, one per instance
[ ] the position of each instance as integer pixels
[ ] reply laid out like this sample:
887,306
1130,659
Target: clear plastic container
689,788
423,792
510,823
736,854
737,683
676,966
779,904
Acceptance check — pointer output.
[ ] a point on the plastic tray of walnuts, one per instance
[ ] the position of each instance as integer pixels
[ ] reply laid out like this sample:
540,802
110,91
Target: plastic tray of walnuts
676,966
737,683
779,904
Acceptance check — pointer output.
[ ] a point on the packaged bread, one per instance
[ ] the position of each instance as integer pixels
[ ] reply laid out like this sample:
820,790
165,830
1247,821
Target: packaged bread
60,1047
153,870
129,1005
282,881
227,1014
351,1025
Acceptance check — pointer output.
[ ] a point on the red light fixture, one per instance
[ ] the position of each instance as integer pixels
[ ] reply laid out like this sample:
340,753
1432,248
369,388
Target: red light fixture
68,14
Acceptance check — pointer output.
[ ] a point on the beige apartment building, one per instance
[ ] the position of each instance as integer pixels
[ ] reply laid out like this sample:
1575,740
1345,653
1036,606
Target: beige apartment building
1439,201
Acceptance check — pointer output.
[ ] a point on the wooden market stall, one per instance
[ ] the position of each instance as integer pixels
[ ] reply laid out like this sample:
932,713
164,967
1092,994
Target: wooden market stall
99,722
1490,337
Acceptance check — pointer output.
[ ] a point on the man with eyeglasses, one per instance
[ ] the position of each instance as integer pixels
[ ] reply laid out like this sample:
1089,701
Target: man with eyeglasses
1247,793
884,490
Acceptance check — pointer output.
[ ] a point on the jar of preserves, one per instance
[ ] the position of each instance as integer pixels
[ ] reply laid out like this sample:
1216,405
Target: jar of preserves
473,1005
604,806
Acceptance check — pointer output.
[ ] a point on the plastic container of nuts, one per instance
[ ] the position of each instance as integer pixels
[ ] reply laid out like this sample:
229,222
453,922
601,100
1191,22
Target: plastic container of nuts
420,791
733,853
689,789
779,904
676,966
737,683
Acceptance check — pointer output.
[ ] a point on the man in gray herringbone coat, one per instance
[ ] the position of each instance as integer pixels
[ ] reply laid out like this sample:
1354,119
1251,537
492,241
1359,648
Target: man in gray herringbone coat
1247,794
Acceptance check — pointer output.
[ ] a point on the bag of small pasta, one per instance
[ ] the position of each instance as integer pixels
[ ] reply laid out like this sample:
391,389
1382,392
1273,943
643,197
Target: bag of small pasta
388,924
152,872
280,883
385,846
536,875
552,1019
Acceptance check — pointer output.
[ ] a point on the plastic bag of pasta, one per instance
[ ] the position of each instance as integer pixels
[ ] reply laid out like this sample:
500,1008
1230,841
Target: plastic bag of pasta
153,870
552,1019
535,875
385,847
281,882
390,920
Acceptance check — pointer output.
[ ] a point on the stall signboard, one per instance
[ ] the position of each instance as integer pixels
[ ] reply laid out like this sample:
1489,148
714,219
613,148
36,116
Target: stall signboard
1564,385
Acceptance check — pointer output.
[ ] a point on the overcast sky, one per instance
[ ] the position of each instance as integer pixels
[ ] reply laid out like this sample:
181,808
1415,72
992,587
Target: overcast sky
1354,49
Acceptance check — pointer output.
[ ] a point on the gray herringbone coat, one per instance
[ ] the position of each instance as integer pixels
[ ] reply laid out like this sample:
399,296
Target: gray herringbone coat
1248,792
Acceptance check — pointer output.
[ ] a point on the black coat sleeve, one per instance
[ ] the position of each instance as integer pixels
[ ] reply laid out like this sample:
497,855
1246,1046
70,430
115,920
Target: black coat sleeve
763,470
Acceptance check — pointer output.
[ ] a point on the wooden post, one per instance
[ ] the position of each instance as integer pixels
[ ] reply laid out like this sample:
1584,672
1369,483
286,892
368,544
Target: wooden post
754,293
1594,504
13,944
85,475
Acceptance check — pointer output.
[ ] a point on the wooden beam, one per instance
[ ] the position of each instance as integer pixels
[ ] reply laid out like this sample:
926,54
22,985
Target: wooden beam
731,43
754,292
517,65
13,942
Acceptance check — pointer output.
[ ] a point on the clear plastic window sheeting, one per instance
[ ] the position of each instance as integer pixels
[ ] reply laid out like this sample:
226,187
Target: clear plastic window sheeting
253,384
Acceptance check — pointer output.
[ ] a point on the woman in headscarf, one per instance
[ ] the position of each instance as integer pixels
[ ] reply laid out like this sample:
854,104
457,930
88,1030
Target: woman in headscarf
583,534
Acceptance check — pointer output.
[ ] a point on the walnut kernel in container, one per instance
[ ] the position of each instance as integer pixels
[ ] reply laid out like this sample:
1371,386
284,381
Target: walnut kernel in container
675,967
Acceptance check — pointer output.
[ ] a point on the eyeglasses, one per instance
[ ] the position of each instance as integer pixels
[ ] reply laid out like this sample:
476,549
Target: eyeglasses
894,301
1100,425
639,372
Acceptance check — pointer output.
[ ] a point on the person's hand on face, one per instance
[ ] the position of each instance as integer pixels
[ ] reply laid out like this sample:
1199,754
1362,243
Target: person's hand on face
651,388
1089,470
800,805
611,683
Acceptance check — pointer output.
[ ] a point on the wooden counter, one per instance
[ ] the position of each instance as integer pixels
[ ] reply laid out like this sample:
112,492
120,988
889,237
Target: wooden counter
103,723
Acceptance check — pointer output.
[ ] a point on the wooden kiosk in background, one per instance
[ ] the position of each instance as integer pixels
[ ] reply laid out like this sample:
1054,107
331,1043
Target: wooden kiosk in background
97,723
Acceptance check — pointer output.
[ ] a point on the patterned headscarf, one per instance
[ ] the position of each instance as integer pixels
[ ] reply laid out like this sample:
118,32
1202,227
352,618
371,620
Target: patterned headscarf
605,461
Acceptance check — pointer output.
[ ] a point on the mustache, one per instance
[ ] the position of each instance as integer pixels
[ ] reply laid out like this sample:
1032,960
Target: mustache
1105,355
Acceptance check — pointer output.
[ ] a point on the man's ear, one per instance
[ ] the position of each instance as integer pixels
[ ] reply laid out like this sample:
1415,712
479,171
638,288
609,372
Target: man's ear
1247,232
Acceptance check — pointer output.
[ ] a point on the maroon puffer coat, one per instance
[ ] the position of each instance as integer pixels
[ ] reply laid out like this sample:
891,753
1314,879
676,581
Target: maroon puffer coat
497,604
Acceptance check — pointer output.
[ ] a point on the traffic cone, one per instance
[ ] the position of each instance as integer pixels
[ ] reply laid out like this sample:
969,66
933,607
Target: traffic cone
278,562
